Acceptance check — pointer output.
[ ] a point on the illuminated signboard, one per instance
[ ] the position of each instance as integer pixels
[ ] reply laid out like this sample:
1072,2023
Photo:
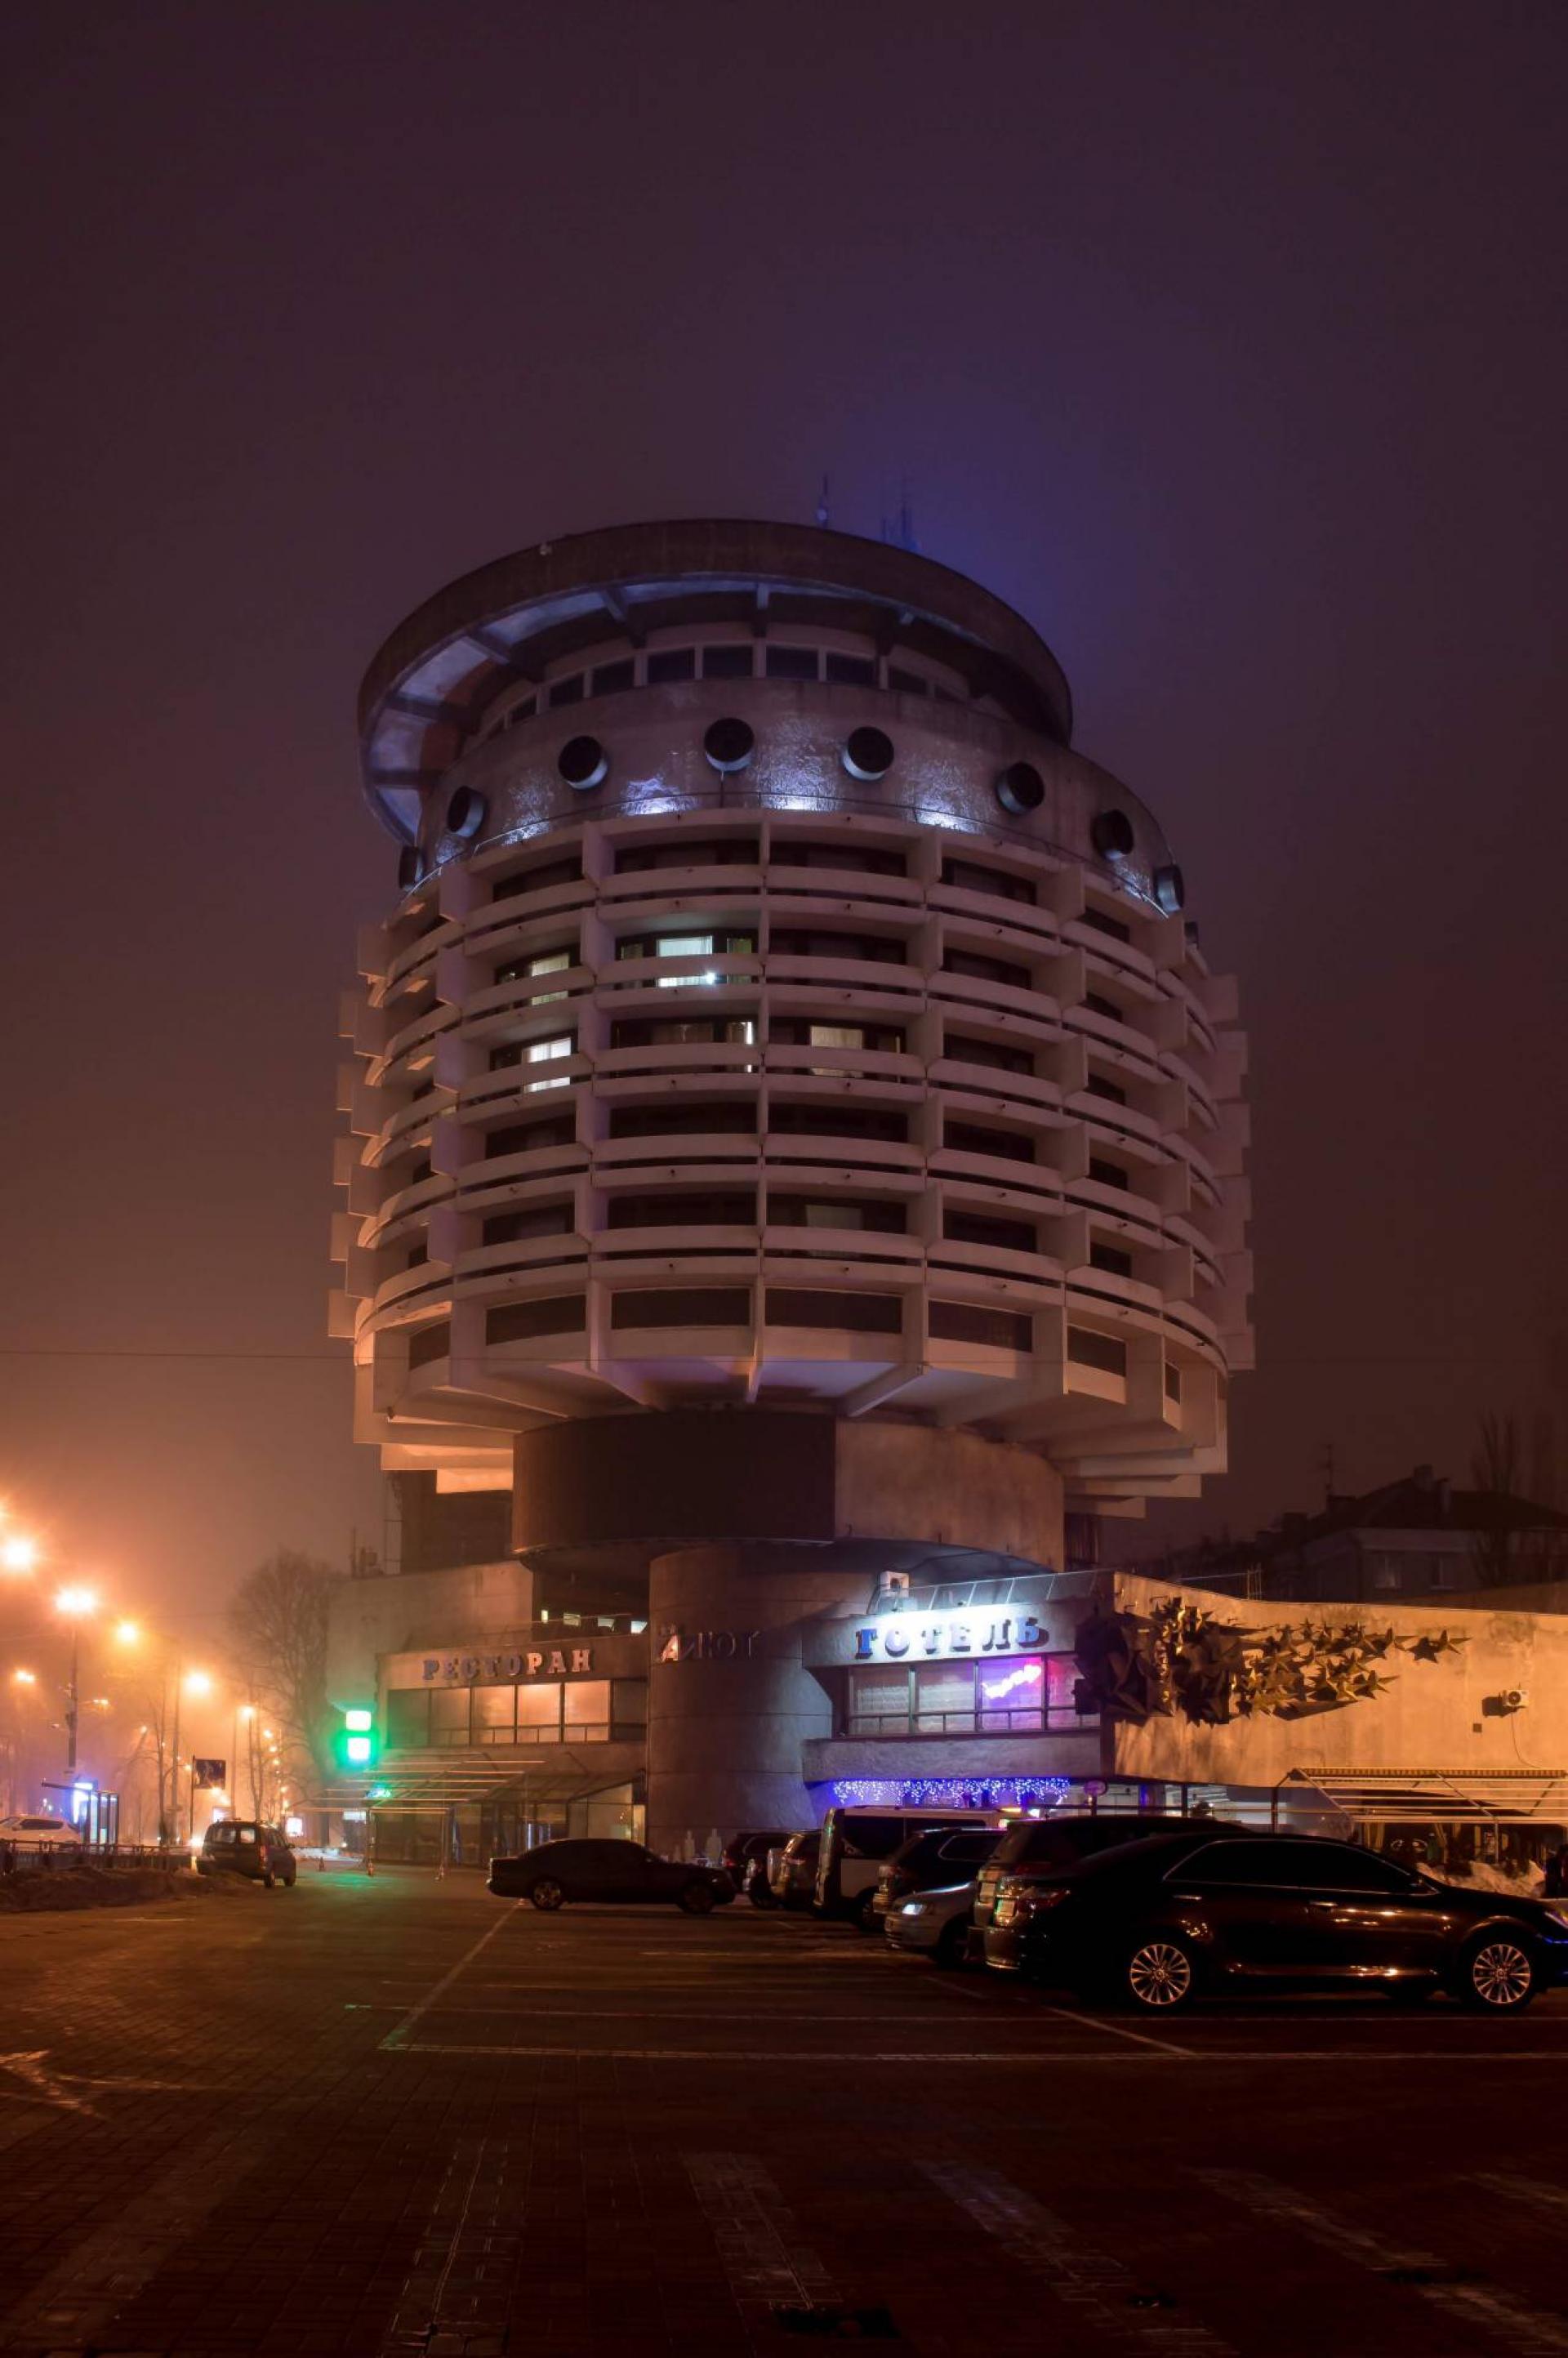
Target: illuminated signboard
940,1637
544,1662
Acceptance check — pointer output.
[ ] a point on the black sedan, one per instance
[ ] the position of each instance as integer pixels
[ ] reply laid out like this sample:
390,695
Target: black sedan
1160,1922
615,1874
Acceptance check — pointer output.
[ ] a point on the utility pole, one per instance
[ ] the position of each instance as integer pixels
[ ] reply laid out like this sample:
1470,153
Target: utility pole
73,1705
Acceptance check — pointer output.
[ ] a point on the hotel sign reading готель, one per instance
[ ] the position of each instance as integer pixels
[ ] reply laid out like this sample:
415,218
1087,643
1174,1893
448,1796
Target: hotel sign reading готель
939,1637
547,1662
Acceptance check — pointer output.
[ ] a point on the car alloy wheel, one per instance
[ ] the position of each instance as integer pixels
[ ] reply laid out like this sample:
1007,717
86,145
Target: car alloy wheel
1499,1976
696,1900
546,1893
1159,1976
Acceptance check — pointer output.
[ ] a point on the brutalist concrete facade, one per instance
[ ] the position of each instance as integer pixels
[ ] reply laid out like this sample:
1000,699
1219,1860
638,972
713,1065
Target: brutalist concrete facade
793,1132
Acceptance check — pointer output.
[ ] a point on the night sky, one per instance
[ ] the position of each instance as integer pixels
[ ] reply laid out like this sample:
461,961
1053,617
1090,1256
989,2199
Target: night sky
1229,343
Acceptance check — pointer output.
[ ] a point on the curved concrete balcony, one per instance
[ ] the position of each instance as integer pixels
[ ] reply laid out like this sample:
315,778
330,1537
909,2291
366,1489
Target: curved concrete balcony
957,1077
1079,934
719,880
1022,1179
683,1241
801,1244
400,1129
872,1063
683,1058
523,1086
526,1255
879,977
520,996
995,1260
788,1151
421,953
492,1179
497,926
835,884
721,1156
423,1284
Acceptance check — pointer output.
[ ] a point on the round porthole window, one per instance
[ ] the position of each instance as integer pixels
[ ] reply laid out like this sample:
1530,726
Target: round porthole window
1110,832
1170,890
867,754
728,745
465,812
1020,789
583,762
410,867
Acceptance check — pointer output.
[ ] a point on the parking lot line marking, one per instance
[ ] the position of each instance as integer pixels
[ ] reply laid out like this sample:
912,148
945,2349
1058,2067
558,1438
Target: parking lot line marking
398,2035
1096,2286
754,2231
1528,2190
1066,2057
1526,2331
1142,2038
84,2291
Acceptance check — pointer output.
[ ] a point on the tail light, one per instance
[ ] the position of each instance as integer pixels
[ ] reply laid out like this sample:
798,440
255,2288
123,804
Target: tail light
1034,1899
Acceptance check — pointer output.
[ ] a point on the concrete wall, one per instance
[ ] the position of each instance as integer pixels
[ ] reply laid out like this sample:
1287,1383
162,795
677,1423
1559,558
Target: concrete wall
726,1726
369,1617
907,1481
1439,1715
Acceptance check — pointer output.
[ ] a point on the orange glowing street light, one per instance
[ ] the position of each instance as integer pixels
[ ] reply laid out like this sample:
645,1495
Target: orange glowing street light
76,1605
19,1553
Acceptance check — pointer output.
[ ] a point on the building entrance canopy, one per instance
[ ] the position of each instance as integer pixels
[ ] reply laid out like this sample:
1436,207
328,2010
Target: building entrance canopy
1428,1796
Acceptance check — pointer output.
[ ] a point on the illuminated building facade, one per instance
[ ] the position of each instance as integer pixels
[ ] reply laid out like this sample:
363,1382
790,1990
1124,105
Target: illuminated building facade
795,1135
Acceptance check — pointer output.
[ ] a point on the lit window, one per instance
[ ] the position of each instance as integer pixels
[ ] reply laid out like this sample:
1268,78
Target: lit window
545,1051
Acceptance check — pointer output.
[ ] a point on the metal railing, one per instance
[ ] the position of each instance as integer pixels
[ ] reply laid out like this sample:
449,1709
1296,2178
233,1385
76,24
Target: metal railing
982,1721
54,1858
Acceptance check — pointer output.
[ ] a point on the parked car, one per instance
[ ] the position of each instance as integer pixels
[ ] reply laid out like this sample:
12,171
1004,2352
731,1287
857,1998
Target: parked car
245,1846
40,1832
936,1923
746,1861
936,1858
1031,1847
1160,1922
855,1842
608,1873
791,1871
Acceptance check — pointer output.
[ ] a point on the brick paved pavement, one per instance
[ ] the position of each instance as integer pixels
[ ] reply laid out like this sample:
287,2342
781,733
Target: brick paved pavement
401,2116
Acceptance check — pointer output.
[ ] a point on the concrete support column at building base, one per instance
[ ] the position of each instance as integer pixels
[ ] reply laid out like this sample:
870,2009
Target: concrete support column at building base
731,1702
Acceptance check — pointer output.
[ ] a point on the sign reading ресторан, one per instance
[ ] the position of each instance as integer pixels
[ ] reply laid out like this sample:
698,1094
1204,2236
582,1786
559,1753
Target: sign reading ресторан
939,1637
543,1662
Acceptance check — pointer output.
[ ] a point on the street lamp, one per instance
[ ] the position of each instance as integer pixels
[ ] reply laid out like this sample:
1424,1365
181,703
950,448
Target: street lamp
25,1678
76,1605
17,1552
196,1683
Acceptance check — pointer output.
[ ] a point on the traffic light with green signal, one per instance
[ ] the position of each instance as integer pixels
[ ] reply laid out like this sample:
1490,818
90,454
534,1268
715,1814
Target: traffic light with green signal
356,1742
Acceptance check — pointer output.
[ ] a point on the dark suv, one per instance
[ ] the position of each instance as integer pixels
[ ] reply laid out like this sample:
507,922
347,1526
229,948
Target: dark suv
1157,1923
613,1873
1031,1847
241,1846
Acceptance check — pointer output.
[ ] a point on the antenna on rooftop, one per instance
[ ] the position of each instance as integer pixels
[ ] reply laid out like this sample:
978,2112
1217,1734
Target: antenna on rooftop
898,531
823,512
1326,1468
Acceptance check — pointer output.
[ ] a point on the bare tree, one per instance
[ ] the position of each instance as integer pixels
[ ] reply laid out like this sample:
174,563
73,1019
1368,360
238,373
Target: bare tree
278,1627
1495,1467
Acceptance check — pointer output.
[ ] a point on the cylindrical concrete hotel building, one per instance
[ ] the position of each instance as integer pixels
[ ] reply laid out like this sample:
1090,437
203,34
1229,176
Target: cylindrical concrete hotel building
796,1150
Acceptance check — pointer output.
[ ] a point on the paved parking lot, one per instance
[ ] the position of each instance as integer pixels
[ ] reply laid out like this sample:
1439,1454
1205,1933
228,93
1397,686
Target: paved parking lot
368,2117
